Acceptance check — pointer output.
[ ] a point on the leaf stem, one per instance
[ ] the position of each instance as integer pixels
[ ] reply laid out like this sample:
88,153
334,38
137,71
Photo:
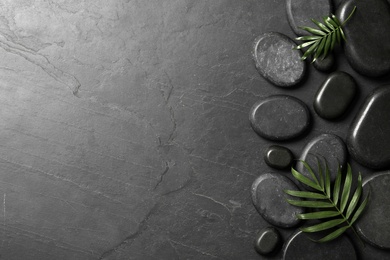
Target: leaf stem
349,16
346,219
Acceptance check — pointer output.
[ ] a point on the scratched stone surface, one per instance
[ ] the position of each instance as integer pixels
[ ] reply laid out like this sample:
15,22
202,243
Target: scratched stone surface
124,128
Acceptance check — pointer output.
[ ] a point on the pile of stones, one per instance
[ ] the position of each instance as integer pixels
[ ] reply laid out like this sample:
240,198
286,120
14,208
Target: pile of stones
285,117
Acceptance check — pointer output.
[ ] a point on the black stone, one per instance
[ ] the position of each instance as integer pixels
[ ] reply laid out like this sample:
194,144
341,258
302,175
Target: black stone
373,225
325,65
326,146
300,13
369,134
300,247
335,95
278,157
279,117
269,200
268,241
277,60
367,32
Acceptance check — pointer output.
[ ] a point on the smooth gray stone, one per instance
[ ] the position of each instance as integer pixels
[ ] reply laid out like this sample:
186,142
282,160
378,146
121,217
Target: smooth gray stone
277,60
326,146
278,157
300,247
300,13
269,199
280,117
326,64
368,139
373,225
335,95
268,241
368,38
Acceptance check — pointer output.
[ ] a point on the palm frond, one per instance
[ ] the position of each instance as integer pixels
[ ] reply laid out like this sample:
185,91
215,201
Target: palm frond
323,38
332,205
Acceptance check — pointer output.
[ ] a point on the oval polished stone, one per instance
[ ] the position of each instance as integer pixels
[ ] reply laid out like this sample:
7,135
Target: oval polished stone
335,95
278,157
267,241
279,117
367,33
328,146
300,247
277,61
300,13
368,139
269,199
373,225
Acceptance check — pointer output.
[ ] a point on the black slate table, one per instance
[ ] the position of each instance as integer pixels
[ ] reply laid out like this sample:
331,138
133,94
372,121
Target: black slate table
125,133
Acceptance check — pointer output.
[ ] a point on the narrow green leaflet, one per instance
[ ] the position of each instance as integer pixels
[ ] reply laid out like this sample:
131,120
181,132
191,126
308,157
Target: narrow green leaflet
310,204
305,194
333,235
330,204
346,189
355,198
323,226
300,177
318,215
336,189
323,38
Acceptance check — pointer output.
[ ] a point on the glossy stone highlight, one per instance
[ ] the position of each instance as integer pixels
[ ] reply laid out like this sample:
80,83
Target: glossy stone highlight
367,32
328,146
373,224
369,134
277,60
300,247
268,241
269,199
300,13
279,117
335,95
278,157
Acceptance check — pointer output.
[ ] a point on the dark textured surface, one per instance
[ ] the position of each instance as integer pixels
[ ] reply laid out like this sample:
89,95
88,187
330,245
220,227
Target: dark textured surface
326,146
368,47
300,247
374,223
277,60
300,13
270,200
268,241
155,157
335,95
278,157
369,140
280,117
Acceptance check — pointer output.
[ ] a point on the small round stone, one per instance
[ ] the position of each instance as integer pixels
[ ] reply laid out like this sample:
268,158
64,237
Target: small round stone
277,60
373,225
328,146
326,64
269,199
335,95
278,157
300,247
280,117
268,241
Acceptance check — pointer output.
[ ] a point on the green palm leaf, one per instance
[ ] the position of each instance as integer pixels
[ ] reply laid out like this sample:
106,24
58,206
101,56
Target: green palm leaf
323,39
340,210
